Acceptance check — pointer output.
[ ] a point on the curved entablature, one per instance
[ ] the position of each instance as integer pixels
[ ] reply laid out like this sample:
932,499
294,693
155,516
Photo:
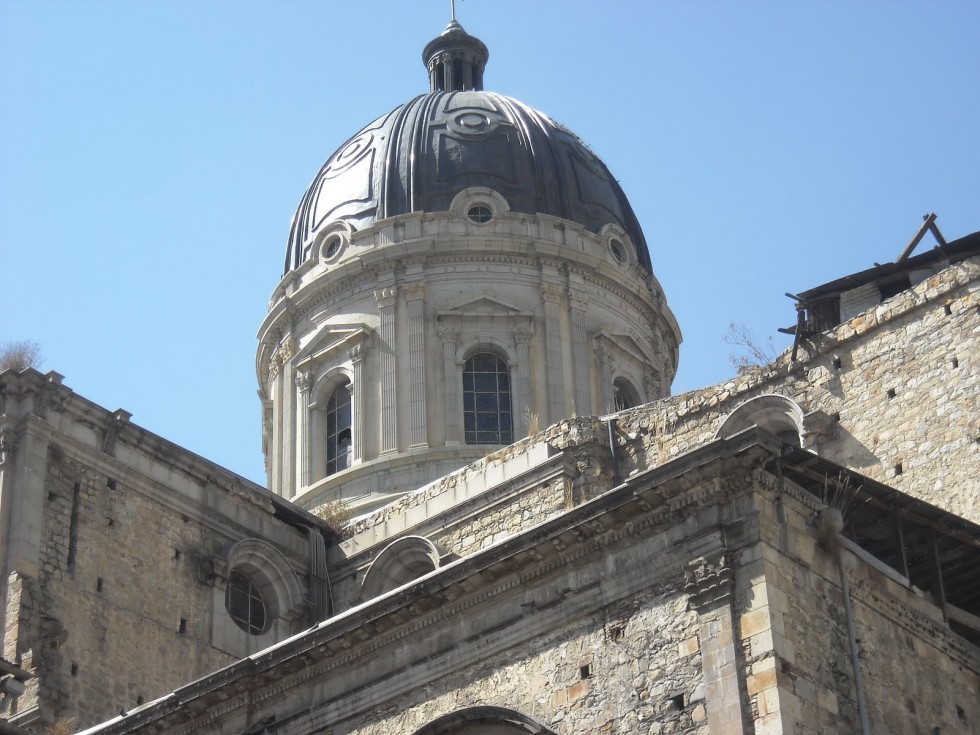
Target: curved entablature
774,413
399,563
484,721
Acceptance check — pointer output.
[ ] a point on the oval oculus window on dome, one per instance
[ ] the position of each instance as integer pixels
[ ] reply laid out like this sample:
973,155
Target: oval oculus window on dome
480,214
618,250
332,247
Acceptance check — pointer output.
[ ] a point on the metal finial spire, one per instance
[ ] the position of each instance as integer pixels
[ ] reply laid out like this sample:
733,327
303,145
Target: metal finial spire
452,8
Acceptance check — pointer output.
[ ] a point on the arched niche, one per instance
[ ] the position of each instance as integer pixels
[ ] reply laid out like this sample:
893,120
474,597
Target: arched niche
269,569
774,413
484,721
399,563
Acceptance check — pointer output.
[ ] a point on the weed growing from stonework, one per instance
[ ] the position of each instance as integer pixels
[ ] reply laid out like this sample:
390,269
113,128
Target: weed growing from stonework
335,514
751,351
20,354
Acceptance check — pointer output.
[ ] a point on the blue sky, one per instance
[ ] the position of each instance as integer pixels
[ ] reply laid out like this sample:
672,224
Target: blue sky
152,153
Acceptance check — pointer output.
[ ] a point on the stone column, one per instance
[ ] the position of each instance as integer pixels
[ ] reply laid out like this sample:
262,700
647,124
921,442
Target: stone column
522,339
387,374
552,324
605,379
287,408
274,457
357,417
452,382
415,302
306,427
580,348
709,581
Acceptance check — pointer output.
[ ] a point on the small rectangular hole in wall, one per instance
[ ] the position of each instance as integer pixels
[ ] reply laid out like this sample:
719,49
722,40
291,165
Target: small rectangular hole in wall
585,672
891,392
947,309
111,484
51,496
954,363
183,626
677,702
98,585
110,523
837,363
139,700
74,669
176,554
898,468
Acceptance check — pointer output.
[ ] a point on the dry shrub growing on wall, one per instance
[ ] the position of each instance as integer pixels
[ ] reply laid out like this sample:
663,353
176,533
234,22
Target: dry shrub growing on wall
335,514
19,355
752,352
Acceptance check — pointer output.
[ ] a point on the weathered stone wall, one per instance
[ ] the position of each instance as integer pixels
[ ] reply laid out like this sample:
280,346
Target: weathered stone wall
122,579
485,502
624,669
921,344
898,382
918,677
115,550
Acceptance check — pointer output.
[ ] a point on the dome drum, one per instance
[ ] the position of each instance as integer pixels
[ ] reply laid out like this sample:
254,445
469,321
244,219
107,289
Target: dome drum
461,273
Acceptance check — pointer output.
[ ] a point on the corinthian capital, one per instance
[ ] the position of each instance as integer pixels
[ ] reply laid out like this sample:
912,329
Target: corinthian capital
414,290
552,293
385,296
449,335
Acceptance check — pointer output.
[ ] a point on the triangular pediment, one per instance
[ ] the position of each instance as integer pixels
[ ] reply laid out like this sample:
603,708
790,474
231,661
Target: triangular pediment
625,343
330,339
483,306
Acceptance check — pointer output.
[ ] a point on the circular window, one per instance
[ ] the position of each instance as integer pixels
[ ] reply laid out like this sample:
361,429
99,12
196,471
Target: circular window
332,247
245,603
480,214
618,250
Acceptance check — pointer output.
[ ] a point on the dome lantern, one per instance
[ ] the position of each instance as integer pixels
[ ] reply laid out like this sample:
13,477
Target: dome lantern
455,60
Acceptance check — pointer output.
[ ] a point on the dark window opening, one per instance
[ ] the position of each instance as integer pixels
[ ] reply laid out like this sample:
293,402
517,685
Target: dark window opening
624,395
333,247
486,400
618,250
894,288
245,604
585,672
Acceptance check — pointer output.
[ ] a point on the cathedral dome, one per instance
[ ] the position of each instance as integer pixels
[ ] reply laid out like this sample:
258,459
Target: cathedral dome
420,155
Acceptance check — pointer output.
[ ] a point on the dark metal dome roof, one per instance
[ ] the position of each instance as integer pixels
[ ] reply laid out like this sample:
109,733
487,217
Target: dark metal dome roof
421,154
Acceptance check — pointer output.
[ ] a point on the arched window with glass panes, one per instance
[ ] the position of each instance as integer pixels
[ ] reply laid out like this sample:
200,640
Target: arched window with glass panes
338,429
487,413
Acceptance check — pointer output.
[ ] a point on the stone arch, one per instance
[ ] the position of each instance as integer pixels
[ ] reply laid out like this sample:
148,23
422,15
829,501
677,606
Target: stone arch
487,375
774,413
399,562
625,393
484,721
325,456
270,571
